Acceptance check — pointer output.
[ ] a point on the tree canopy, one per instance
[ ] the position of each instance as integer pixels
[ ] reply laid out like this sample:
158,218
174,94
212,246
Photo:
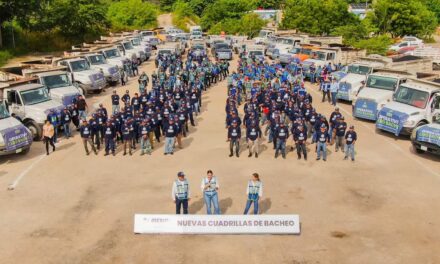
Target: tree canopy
132,14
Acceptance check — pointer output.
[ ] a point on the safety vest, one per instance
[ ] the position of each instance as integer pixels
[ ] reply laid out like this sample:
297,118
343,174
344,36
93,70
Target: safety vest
213,183
182,189
254,190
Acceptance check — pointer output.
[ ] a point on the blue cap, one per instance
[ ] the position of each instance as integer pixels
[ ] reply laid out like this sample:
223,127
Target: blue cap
180,174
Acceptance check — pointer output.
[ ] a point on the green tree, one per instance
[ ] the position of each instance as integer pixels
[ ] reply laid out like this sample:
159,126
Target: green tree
223,9
75,19
166,5
16,9
375,45
402,17
317,16
198,6
132,14
268,4
433,6
251,24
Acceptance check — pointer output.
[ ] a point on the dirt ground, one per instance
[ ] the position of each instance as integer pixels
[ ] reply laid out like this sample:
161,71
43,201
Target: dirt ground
73,208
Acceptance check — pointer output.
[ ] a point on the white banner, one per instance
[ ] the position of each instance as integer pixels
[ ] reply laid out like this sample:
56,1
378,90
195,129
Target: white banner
216,224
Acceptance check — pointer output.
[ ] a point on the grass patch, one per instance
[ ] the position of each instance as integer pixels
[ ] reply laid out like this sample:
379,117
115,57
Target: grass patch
5,56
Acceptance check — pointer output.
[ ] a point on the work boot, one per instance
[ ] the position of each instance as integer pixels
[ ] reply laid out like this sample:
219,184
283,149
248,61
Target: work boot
125,153
130,153
236,154
250,155
256,155
87,153
345,158
106,154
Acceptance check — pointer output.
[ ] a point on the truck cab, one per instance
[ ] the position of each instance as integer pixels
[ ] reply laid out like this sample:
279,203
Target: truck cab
88,80
221,51
353,81
263,36
377,92
14,136
415,103
98,62
31,103
143,49
60,87
128,51
114,57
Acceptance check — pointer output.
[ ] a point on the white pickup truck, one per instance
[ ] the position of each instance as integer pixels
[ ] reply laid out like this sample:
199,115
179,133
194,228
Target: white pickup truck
377,92
415,103
88,80
31,103
14,136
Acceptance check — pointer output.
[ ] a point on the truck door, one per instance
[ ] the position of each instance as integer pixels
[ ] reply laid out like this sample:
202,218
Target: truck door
434,107
15,104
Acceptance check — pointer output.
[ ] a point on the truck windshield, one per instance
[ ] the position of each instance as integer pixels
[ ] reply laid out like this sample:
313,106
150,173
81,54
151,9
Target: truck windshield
113,53
306,51
256,53
164,52
128,46
56,81
295,51
358,69
409,96
262,34
135,42
148,33
196,33
35,96
380,82
97,59
319,55
221,46
3,112
80,65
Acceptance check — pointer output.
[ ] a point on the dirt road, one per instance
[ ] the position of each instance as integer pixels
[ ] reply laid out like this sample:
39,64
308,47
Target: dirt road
165,20
72,208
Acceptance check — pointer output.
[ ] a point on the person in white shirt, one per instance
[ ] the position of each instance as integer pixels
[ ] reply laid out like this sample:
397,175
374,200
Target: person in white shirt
254,192
334,87
180,193
210,187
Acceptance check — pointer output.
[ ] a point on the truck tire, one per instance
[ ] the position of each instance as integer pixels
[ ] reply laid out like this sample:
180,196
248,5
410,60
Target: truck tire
25,151
35,129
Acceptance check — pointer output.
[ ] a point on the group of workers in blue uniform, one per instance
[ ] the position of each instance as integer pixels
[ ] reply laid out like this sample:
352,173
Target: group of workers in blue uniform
275,97
164,111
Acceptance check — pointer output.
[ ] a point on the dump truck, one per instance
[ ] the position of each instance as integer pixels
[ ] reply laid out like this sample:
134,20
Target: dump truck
87,79
28,100
377,92
55,78
97,61
349,85
415,104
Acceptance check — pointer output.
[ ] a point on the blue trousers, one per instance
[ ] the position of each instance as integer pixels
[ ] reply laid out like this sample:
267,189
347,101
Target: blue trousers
322,147
211,198
248,206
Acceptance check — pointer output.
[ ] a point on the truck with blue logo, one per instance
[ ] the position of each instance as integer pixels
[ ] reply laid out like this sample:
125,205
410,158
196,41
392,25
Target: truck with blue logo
377,92
55,78
426,138
14,136
358,72
87,79
414,104
31,102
